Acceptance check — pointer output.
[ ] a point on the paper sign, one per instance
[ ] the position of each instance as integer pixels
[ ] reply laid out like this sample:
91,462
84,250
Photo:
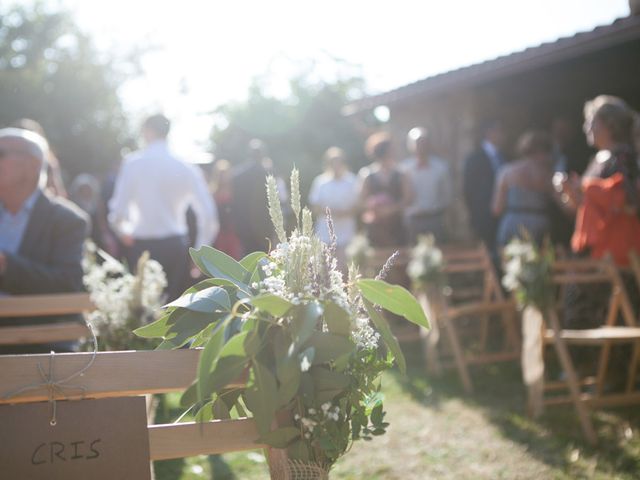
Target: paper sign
102,439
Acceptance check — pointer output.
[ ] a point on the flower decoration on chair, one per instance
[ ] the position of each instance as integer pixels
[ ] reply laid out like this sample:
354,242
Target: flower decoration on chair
123,301
528,272
426,263
288,339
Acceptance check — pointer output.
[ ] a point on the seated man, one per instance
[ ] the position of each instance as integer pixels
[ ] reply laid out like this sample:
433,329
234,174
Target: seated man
41,238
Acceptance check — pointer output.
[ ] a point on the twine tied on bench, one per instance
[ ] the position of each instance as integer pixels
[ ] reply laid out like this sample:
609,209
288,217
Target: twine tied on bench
57,388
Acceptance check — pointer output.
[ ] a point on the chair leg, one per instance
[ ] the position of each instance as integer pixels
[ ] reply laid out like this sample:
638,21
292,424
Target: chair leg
461,364
603,365
633,368
572,380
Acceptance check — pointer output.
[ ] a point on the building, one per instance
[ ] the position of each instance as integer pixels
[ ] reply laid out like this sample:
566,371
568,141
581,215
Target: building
524,89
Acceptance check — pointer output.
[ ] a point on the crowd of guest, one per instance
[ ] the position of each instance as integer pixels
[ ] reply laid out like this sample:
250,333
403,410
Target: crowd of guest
155,200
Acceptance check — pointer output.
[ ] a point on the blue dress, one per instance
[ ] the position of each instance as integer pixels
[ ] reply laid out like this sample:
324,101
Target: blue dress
526,209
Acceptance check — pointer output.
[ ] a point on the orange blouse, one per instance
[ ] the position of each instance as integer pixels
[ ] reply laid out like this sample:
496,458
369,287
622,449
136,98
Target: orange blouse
604,223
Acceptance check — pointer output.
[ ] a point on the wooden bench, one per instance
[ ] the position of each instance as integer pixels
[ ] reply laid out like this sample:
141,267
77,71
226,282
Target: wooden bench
132,373
43,305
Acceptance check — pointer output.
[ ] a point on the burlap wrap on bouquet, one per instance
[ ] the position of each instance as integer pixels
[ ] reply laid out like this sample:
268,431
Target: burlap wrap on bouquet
282,468
532,361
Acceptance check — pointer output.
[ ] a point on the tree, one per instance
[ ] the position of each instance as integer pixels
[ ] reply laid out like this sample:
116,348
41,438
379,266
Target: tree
297,129
50,72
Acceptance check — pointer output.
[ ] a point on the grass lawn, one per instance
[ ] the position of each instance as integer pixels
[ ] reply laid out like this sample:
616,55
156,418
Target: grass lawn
439,432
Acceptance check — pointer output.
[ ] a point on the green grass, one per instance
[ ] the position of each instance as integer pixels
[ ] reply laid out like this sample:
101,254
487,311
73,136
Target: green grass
439,432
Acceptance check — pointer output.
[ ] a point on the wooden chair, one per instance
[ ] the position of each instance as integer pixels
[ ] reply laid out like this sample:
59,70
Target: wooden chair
43,305
464,314
132,373
589,391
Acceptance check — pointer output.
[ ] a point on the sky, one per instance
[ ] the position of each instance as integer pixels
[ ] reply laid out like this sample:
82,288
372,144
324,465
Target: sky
205,52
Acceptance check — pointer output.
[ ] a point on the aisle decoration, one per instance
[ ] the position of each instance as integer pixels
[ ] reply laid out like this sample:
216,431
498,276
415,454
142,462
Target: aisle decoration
425,267
124,301
528,275
308,346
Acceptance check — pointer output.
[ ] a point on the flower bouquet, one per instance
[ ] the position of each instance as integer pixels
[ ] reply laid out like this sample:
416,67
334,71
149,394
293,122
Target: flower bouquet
123,301
308,346
426,263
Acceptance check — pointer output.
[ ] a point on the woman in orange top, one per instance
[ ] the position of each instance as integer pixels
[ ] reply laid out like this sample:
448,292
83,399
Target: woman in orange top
606,202
607,197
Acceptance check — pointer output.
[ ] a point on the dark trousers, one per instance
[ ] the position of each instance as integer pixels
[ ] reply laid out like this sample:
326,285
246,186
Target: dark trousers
172,253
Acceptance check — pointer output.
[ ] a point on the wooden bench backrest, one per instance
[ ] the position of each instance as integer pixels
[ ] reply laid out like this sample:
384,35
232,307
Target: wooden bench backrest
121,374
40,306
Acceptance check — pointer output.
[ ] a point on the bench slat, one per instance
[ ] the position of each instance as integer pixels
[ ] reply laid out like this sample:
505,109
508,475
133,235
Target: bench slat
49,333
189,439
44,305
113,374
595,336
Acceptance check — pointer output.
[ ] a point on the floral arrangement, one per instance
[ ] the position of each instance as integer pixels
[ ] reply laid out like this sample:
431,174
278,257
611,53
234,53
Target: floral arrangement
528,272
123,301
426,263
308,345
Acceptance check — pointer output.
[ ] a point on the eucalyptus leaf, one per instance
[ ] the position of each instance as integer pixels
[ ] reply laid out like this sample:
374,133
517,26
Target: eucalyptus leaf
157,329
328,384
205,413
250,263
337,319
261,396
218,264
272,304
387,336
210,299
304,322
394,298
207,362
329,347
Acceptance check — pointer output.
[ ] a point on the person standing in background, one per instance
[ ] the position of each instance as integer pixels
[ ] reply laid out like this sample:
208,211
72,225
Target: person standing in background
222,191
384,195
337,189
479,177
148,209
431,181
249,207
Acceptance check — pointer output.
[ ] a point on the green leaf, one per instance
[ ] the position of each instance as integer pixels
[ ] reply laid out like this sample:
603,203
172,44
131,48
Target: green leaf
329,347
157,329
220,409
289,388
188,325
272,304
306,358
304,322
205,413
250,263
261,397
298,451
394,298
218,264
190,395
208,361
229,366
280,438
328,384
337,319
208,300
385,332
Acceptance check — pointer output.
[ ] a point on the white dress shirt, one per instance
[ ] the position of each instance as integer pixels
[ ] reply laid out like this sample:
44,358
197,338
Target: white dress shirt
153,192
337,194
431,185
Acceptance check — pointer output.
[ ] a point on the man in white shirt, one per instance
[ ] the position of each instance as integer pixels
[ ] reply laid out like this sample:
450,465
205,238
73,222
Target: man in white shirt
336,188
432,189
148,209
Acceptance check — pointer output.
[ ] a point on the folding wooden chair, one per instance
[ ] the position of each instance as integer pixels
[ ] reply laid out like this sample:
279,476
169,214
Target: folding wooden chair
464,314
43,305
589,391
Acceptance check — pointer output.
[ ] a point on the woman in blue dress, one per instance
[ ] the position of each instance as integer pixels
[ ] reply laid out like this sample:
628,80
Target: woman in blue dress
524,191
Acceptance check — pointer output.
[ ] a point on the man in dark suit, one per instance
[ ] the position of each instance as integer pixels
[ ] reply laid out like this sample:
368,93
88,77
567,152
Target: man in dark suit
41,238
249,207
479,177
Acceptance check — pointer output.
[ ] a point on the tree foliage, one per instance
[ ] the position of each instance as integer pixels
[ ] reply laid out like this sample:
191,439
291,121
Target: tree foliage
51,72
297,129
